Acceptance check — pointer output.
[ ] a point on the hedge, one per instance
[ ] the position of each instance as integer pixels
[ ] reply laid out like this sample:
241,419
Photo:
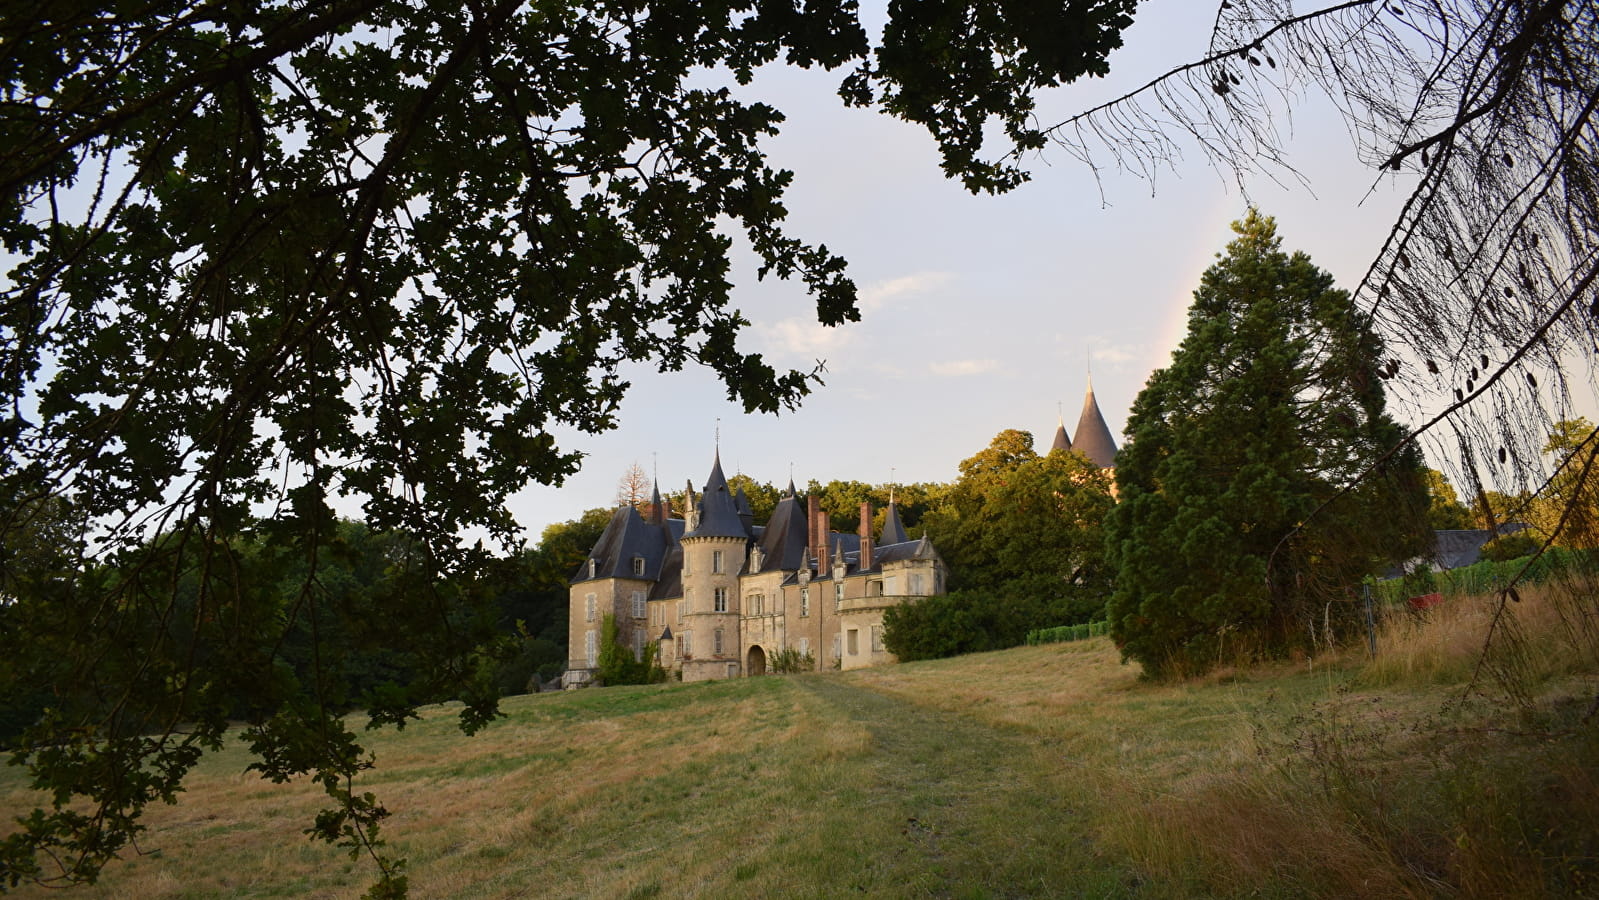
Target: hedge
1486,576
1062,633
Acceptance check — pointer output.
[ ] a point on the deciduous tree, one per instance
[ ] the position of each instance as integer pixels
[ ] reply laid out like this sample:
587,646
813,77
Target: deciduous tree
268,255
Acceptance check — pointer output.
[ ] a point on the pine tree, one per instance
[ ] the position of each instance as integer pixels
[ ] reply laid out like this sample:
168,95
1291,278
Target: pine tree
1232,535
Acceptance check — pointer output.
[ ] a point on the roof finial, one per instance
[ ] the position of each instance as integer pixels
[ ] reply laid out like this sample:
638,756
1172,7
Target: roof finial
718,435
655,466
890,485
1060,412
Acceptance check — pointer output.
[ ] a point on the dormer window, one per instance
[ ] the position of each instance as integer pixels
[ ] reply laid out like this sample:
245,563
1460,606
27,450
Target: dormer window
638,566
593,567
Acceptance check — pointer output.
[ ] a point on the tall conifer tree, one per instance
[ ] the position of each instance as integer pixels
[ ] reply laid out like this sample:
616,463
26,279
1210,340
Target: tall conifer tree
1232,534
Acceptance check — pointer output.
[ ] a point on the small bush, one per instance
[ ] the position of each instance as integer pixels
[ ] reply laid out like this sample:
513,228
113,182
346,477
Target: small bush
789,660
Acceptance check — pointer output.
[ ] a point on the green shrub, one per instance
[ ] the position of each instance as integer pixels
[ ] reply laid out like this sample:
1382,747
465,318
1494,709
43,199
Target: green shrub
789,660
618,665
975,621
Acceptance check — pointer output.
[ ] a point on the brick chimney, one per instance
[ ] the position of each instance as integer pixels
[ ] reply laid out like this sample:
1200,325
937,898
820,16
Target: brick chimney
819,531
866,535
813,541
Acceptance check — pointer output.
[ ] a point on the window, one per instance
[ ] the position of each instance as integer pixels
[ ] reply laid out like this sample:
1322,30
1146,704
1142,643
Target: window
874,589
916,583
687,569
805,601
877,639
716,561
682,646
854,642
638,565
756,604
688,600
716,642
588,646
638,604
680,611
838,595
721,600
835,646
638,644
891,584
591,608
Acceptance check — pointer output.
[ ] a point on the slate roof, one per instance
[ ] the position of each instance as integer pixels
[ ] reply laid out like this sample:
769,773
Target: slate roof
893,531
719,515
1093,435
627,536
783,540
917,549
1062,442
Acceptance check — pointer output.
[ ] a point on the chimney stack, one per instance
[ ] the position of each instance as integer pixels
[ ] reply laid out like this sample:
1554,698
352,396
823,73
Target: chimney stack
866,535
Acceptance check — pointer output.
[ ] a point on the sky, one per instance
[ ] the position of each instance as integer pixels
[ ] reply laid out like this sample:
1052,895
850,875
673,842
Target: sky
978,313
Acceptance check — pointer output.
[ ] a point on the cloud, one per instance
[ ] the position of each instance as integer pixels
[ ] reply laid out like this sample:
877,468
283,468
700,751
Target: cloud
960,368
1100,351
879,293
801,337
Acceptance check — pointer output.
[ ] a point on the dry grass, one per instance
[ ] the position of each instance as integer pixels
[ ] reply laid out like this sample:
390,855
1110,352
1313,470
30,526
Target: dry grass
1038,771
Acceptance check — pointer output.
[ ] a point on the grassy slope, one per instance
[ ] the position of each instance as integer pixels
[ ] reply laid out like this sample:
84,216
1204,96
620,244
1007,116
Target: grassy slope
1032,772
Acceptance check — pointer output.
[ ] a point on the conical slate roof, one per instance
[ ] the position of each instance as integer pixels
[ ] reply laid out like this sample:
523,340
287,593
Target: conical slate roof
1093,435
1062,442
718,508
893,531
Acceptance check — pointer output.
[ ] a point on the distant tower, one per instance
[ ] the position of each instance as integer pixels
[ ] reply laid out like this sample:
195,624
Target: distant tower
1093,435
714,551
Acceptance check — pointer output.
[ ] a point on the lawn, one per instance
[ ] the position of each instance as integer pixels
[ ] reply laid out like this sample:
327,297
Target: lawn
1039,771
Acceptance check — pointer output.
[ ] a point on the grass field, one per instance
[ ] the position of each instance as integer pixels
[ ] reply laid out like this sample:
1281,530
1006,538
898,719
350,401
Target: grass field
1039,771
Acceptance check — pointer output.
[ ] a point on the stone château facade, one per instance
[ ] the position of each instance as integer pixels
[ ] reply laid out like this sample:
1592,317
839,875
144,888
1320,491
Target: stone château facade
719,594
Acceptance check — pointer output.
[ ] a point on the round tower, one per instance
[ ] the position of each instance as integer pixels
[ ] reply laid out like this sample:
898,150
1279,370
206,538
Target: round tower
714,552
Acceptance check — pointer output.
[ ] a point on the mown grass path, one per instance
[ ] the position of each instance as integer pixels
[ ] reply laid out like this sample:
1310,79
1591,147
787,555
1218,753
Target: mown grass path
981,810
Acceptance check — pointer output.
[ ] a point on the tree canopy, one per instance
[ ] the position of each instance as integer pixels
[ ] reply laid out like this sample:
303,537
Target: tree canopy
1022,536
1263,477
267,257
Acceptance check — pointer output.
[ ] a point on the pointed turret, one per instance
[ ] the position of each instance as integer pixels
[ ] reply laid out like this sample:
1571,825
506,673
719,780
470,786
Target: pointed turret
1093,435
718,509
893,531
1062,442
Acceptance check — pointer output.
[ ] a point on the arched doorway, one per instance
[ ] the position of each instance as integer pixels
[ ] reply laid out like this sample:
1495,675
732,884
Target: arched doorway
757,661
